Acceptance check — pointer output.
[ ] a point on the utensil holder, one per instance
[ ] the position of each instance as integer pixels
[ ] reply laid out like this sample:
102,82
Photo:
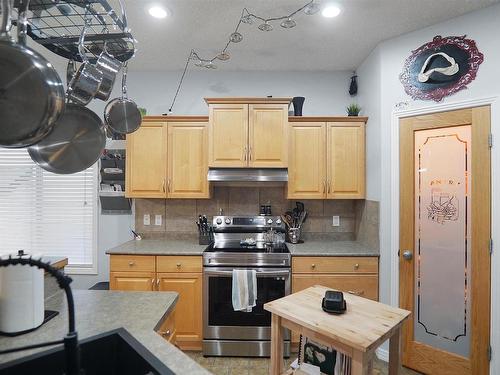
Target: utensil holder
205,238
294,235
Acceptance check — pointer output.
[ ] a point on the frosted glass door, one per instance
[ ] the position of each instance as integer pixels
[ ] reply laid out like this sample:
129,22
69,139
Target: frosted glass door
442,238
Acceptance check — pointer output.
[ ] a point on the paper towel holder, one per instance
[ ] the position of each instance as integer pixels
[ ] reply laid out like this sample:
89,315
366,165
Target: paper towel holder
70,341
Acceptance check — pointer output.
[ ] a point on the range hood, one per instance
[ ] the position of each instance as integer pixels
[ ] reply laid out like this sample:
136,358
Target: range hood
248,176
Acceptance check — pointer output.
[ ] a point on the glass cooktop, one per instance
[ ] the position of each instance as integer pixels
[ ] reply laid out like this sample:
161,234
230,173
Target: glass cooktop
235,247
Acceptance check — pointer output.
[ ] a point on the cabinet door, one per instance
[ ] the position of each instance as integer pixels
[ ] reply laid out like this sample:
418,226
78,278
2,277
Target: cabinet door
146,162
306,166
268,130
346,160
228,135
132,281
187,160
188,321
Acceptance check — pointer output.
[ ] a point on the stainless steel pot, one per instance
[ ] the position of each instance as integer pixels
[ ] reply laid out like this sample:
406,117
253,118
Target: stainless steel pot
109,66
121,114
31,92
85,83
74,144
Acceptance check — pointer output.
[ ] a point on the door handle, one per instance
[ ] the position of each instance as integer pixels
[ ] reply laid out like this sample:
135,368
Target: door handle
329,184
245,153
168,185
324,186
249,152
407,255
163,185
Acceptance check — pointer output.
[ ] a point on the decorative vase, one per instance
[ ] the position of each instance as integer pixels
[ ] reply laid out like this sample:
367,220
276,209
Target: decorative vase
298,103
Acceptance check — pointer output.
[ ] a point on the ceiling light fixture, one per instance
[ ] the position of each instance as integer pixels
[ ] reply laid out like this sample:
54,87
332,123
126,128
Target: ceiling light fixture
158,12
330,11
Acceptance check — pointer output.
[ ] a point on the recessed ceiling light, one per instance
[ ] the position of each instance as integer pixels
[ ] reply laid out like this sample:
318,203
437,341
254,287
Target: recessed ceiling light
158,12
330,11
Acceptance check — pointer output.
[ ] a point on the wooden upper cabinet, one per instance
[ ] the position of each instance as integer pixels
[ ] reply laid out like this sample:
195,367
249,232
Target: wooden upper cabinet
307,161
228,135
146,161
346,160
268,141
187,160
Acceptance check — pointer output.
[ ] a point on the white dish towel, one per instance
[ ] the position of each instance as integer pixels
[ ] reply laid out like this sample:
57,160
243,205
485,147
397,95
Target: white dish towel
244,290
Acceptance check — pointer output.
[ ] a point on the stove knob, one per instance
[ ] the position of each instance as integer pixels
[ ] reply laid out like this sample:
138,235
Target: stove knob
278,221
228,221
269,221
219,221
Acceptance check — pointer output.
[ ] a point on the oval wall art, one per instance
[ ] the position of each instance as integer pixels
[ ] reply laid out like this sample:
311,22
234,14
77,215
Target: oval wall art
441,68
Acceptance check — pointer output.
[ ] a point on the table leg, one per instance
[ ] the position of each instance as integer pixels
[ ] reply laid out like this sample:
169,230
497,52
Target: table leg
394,356
276,367
360,362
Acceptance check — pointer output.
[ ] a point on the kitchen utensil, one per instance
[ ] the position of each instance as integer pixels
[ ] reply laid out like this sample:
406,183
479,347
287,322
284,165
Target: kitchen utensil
268,210
300,206
294,235
262,210
74,144
31,91
85,84
122,114
109,67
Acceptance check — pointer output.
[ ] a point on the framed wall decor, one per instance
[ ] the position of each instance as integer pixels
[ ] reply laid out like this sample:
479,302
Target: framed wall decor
441,68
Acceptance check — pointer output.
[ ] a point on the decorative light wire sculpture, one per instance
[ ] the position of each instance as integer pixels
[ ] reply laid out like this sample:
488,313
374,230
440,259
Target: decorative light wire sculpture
287,22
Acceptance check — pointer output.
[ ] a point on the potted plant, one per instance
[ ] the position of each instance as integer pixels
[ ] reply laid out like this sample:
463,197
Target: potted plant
353,109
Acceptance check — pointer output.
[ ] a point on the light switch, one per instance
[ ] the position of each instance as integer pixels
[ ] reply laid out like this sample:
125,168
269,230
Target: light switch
147,219
157,219
336,221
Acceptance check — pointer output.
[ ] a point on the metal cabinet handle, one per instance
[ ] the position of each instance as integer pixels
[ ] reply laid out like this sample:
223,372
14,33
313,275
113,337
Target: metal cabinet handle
166,333
250,153
329,183
163,186
324,186
356,266
157,282
245,153
168,185
358,293
152,282
131,263
313,266
178,265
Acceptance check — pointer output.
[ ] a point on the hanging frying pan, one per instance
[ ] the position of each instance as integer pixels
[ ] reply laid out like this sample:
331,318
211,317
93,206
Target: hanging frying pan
121,114
74,144
31,92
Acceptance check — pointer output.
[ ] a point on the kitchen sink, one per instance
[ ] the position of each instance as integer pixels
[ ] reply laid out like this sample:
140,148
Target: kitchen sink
109,353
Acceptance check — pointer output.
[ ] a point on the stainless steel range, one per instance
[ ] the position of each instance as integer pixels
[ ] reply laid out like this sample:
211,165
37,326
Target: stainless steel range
243,242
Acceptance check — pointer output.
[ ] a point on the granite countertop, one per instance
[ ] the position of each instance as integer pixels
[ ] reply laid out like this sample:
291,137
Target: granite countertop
321,247
101,311
159,247
331,248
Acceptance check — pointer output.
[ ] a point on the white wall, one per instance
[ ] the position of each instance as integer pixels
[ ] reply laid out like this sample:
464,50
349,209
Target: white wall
386,62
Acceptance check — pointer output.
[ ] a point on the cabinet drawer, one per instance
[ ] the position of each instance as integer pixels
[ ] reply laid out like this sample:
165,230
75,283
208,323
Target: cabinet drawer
335,265
167,329
361,285
179,264
135,263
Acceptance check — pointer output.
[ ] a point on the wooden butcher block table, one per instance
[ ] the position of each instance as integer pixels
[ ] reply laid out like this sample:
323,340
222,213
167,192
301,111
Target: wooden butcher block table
357,333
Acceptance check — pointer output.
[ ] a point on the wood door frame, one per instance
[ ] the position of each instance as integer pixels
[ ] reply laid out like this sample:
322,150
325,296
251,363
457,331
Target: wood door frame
390,214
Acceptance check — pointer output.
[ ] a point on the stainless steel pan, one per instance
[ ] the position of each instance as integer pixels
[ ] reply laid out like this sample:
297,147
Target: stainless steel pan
121,114
31,92
74,144
109,66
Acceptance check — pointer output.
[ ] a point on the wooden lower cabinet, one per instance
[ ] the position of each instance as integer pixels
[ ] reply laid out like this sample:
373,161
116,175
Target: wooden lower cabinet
189,334
133,281
168,329
360,285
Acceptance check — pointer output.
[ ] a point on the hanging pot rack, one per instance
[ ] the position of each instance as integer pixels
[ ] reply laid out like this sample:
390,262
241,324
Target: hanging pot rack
57,25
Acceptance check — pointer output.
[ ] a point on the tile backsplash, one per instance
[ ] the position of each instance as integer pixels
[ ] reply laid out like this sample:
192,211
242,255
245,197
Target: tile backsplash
358,219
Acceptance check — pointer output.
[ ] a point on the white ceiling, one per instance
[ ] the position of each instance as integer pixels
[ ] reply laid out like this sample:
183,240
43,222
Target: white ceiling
316,43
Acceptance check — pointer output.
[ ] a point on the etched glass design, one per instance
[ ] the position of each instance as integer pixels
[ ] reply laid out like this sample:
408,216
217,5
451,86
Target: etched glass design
442,238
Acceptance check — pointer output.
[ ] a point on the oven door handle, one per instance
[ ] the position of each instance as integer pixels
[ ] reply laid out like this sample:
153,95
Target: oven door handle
259,273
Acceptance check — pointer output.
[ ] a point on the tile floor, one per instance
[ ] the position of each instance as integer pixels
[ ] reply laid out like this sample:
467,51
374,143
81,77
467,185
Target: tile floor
260,366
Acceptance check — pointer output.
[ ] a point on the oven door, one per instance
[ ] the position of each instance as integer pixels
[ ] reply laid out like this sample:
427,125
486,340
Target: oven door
220,321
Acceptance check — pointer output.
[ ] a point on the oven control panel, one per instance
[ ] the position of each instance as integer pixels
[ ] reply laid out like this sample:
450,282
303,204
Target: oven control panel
232,223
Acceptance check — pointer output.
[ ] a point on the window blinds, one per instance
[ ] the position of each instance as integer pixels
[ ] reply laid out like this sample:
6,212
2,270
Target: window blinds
45,213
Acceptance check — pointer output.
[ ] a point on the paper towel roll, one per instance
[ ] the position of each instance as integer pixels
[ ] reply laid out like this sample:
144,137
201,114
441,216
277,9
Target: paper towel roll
21,298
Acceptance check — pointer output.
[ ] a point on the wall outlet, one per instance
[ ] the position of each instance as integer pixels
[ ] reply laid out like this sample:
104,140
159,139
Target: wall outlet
335,221
158,219
147,219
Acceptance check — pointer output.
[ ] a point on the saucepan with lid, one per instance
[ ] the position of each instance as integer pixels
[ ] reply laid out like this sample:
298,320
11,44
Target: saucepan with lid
31,91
